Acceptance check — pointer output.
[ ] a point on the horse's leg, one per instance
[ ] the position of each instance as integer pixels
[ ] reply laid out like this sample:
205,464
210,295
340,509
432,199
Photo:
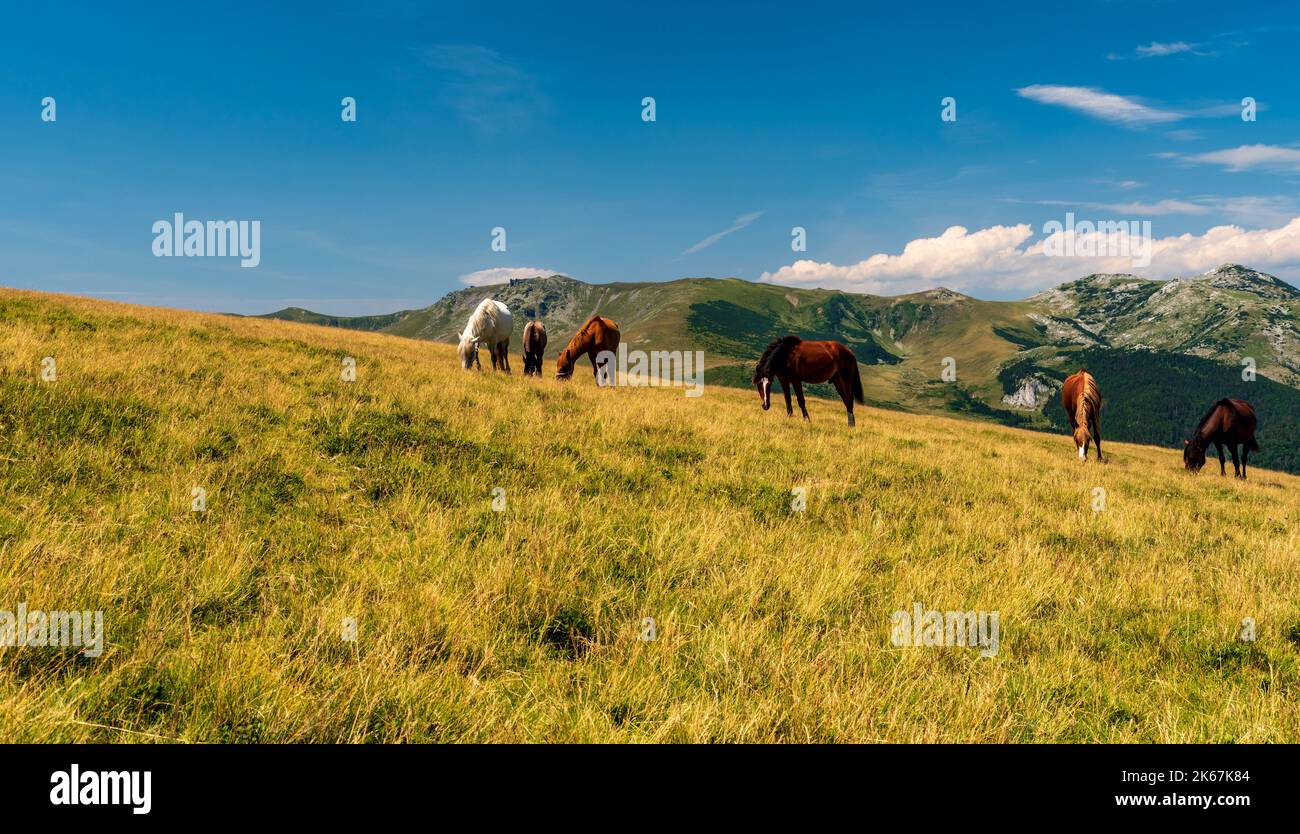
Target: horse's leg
1245,455
846,393
1222,463
785,389
1236,467
1096,438
798,392
505,354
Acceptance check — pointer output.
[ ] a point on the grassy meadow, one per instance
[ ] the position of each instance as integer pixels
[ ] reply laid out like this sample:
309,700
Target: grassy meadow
373,499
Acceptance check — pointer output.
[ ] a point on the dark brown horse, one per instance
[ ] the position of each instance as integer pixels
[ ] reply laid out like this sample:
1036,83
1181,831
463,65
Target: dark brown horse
534,347
792,362
598,335
1228,421
1082,400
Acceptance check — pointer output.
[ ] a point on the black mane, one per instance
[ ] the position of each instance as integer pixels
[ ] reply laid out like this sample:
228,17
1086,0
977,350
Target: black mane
774,357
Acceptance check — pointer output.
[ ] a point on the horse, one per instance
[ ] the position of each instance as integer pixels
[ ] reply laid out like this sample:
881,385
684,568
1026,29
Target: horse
598,335
1228,421
1082,400
490,323
534,346
792,362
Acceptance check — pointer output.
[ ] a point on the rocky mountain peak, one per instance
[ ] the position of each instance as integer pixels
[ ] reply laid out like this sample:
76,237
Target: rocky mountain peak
1245,279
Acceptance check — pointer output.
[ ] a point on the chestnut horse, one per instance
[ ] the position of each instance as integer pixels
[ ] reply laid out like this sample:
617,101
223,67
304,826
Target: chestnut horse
599,334
534,346
1082,400
1228,421
792,362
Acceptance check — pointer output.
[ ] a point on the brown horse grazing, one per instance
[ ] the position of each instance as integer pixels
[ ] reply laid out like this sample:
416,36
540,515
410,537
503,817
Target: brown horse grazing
792,362
1228,421
598,335
534,347
1082,400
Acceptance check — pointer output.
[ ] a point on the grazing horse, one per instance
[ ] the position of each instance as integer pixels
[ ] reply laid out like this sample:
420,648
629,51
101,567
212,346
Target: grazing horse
1082,400
1228,421
490,324
534,347
792,362
598,335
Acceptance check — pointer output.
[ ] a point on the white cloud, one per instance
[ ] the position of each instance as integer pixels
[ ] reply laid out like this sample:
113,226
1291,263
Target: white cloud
1248,157
1157,208
1137,209
1099,104
1155,49
736,225
1003,257
502,274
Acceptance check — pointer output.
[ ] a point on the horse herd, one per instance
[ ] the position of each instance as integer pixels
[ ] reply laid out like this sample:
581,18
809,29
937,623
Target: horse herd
491,324
791,361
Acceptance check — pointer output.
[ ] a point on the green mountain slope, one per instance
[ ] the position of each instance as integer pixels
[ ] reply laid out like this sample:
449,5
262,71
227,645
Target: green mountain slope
368,323
1010,356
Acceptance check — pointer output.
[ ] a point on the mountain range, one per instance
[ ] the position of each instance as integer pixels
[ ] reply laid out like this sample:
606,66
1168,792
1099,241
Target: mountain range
1164,351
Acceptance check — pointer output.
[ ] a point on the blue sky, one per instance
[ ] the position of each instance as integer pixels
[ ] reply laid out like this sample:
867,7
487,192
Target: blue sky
768,116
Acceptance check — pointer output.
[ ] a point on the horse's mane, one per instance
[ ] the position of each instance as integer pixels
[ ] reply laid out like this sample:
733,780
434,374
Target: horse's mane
774,357
1209,414
484,314
583,334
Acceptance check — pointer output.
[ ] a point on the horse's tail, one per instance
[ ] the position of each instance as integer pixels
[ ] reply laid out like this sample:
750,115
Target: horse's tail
1252,445
858,396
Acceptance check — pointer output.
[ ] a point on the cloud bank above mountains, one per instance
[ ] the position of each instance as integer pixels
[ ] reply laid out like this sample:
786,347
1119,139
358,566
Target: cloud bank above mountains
1007,258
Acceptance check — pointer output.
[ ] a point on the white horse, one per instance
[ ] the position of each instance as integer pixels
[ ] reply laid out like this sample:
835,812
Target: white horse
490,324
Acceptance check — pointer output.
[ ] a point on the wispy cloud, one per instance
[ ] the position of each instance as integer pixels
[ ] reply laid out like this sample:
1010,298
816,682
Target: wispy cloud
1251,157
1156,49
1099,104
502,275
485,88
1258,211
738,224
1137,209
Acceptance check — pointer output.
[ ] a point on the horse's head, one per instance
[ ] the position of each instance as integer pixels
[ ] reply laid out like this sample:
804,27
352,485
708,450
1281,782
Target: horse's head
764,386
564,365
468,350
1193,455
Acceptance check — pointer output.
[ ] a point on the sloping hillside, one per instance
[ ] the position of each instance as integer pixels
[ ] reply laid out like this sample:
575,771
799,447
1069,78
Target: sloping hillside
373,500
1010,357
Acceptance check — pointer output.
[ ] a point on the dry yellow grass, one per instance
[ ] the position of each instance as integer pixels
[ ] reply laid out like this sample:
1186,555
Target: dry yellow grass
373,499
